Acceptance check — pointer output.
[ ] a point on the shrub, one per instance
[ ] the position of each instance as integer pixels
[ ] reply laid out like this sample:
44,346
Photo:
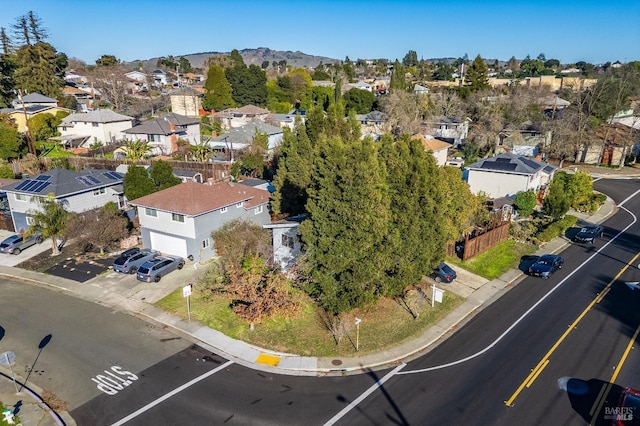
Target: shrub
557,228
525,202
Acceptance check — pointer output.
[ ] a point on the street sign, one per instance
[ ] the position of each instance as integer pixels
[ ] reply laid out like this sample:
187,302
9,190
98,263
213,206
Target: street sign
186,290
358,320
7,358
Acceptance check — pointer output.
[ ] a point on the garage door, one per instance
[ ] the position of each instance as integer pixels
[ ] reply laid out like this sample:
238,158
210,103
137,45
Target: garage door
168,245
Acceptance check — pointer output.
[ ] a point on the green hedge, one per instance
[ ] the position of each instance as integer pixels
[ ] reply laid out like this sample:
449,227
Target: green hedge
557,228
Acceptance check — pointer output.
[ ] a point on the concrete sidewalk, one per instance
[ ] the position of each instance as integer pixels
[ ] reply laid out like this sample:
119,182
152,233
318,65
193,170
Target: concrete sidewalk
123,293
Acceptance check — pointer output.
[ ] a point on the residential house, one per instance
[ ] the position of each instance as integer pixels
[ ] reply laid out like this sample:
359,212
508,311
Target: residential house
160,78
77,191
179,220
373,123
448,129
287,120
239,138
237,117
525,141
362,85
30,105
507,174
611,145
420,90
439,148
100,126
186,101
162,133
286,240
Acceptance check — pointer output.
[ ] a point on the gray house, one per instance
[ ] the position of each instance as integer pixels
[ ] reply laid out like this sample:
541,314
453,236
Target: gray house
78,191
179,220
286,240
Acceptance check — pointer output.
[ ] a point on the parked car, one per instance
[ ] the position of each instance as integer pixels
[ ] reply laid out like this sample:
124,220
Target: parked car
156,268
16,243
546,265
129,264
588,234
444,273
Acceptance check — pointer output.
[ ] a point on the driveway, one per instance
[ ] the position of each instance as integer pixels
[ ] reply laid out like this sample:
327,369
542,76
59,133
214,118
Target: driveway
12,259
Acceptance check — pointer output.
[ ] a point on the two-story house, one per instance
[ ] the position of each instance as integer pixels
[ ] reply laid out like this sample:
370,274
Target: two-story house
238,117
25,108
100,126
162,133
186,101
179,220
77,191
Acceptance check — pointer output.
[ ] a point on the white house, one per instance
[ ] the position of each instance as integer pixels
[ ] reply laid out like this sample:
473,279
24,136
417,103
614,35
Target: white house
439,149
238,117
179,220
162,133
102,125
448,129
507,174
286,240
240,138
186,101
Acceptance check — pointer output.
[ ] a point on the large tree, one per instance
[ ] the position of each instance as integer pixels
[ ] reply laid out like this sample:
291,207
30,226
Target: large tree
476,76
98,228
217,90
348,216
137,183
161,174
249,84
39,68
361,101
11,143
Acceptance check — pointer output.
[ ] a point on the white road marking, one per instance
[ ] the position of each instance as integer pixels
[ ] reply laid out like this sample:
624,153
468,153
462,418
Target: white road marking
535,305
172,393
365,394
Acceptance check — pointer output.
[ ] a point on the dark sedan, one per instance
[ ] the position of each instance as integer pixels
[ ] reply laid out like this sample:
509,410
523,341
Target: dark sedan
129,264
546,265
588,234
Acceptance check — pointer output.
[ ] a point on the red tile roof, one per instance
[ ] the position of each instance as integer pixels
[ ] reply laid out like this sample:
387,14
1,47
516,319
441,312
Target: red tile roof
193,199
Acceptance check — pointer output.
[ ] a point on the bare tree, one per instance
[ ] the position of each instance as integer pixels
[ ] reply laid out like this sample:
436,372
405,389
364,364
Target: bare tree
98,228
403,111
112,82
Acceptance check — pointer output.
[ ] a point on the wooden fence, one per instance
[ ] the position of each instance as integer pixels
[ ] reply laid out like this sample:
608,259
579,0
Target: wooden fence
473,245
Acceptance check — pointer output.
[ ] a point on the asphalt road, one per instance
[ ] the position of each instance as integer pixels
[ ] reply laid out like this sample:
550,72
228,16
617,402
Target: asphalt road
116,369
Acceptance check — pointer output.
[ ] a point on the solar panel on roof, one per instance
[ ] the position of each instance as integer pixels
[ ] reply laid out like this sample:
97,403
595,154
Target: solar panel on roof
502,166
92,179
43,177
113,175
30,185
23,184
40,186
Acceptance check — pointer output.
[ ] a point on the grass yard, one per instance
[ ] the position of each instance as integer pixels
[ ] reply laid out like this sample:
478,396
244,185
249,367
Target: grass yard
496,261
383,326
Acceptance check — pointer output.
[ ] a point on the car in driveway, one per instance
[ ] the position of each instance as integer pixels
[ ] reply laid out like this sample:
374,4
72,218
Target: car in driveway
129,263
16,243
153,270
546,265
588,234
443,273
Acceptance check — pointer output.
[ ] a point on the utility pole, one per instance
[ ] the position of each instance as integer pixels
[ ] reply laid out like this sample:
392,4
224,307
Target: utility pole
32,148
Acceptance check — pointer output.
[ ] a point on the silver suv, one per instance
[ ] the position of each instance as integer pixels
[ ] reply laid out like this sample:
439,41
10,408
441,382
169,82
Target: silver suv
16,243
153,270
129,264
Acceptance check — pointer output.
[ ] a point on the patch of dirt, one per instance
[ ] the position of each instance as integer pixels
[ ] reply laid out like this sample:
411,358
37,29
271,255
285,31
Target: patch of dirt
44,261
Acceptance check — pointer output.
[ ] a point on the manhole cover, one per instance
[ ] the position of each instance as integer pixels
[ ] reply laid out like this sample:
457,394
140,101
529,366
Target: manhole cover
336,362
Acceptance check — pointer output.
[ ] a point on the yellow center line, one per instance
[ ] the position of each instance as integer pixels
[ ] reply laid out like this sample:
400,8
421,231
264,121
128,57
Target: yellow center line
545,359
602,397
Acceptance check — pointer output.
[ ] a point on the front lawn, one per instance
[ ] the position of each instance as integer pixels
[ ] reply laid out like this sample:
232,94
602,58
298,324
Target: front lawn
383,325
497,260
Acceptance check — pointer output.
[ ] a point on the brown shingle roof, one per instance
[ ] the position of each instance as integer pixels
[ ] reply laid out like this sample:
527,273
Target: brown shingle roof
193,199
431,144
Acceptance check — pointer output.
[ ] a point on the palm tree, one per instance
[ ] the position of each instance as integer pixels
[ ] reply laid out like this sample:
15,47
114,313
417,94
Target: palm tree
50,220
200,151
136,150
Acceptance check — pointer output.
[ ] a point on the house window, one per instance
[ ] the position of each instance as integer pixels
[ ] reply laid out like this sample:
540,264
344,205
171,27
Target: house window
240,204
153,138
21,197
94,124
64,128
29,220
177,217
223,210
151,212
287,241
206,243
257,210
99,191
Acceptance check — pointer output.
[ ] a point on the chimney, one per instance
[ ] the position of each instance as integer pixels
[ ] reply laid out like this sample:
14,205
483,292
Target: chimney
174,138
210,181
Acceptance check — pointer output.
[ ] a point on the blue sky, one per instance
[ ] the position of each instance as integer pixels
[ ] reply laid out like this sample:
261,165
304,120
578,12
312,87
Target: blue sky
570,31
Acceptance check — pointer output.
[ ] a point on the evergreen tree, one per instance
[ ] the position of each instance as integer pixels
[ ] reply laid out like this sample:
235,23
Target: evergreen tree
161,174
137,183
410,59
459,203
38,70
6,80
217,90
476,76
11,143
236,58
361,101
398,77
347,225
293,177
249,85
416,237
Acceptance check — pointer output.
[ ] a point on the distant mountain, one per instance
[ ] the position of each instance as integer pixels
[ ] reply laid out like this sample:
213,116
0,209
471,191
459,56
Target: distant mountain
250,57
